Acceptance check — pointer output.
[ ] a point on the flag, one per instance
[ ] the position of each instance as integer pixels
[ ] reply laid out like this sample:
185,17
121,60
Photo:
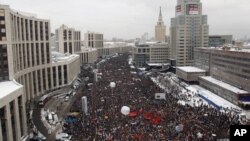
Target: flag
148,116
132,114
156,120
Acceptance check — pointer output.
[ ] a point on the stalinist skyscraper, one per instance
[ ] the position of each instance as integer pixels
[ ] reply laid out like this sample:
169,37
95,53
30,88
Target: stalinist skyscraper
160,30
189,29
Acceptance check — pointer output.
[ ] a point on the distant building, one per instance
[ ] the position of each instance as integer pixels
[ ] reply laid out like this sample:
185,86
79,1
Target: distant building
93,40
219,40
229,67
88,55
160,30
189,29
68,40
157,53
112,50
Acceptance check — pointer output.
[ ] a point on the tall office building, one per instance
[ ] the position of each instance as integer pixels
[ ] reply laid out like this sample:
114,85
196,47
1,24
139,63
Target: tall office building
160,30
93,40
189,29
68,40
27,69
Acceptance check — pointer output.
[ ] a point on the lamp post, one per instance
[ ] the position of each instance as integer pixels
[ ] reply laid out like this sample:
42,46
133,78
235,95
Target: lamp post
112,86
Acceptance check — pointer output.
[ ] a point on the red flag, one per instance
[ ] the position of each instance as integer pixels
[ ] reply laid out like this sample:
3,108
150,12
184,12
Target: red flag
148,116
156,120
132,114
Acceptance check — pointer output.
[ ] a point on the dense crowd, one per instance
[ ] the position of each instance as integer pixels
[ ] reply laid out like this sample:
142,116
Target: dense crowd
149,119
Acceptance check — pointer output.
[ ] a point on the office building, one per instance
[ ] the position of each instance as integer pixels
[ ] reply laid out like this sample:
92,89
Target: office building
220,40
93,40
189,29
160,30
112,50
229,70
68,40
88,55
155,53
190,74
27,68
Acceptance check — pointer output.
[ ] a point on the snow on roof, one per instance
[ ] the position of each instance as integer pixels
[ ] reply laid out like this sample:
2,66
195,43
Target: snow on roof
224,85
158,64
232,49
213,97
88,49
190,69
8,87
60,57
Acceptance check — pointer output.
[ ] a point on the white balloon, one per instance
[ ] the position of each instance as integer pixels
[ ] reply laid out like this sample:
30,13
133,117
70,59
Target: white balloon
125,110
112,84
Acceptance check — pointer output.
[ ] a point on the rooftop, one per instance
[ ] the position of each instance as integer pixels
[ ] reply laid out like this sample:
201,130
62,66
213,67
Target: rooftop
60,57
224,85
8,87
158,64
190,69
233,49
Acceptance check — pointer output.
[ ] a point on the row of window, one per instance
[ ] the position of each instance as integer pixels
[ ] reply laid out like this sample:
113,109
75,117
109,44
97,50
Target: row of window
29,55
224,68
29,30
232,57
4,124
40,81
4,69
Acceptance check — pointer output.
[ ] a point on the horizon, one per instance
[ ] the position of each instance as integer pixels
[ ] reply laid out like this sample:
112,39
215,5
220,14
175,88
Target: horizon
134,18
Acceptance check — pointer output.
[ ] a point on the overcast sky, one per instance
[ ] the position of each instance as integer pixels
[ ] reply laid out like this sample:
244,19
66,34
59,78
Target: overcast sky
131,18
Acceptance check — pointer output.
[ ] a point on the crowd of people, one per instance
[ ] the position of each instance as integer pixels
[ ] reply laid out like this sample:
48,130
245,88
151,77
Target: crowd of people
149,119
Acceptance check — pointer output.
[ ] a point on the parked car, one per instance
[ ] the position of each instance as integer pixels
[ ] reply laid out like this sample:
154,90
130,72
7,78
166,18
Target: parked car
66,99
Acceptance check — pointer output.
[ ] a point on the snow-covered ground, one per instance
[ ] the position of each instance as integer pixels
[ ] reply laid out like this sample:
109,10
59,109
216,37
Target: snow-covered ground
194,93
213,97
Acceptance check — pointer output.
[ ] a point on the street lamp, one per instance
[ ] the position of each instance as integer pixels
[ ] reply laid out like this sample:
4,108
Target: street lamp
112,86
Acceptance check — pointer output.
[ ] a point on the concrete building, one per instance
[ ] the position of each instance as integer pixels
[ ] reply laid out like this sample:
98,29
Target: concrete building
229,92
27,68
68,40
12,112
93,40
88,55
112,50
189,29
228,65
190,74
160,30
157,53
219,40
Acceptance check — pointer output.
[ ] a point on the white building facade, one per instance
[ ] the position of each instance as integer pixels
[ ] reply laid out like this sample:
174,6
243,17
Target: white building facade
157,53
189,29
68,40
28,67
93,40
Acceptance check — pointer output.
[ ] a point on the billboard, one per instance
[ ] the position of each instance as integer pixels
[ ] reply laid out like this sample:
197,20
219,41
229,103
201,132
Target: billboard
192,9
178,9
160,96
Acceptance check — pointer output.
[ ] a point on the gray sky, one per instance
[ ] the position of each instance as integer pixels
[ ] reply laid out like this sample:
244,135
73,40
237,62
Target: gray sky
131,18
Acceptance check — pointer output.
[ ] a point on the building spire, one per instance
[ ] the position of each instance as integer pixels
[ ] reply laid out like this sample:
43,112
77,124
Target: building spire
160,16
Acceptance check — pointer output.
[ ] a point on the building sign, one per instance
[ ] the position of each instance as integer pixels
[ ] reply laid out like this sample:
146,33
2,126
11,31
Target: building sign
192,9
178,9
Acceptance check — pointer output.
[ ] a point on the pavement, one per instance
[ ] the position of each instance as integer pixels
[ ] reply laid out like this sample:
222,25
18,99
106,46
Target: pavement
57,105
